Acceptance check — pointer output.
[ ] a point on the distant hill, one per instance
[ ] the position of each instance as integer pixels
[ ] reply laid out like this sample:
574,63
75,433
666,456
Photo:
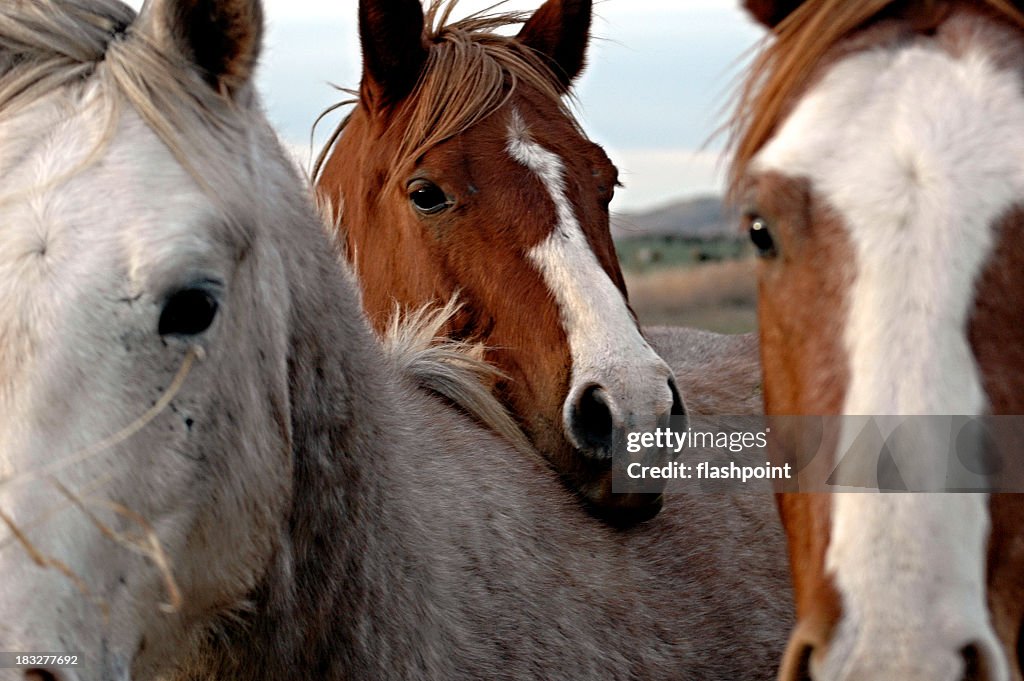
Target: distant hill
700,218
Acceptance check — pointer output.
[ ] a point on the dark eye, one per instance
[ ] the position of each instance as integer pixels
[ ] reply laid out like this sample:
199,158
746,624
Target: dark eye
761,237
606,188
187,312
605,194
427,197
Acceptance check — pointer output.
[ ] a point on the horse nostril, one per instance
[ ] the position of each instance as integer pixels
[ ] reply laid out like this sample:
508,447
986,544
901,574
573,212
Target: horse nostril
678,406
975,667
40,675
592,420
796,664
1020,646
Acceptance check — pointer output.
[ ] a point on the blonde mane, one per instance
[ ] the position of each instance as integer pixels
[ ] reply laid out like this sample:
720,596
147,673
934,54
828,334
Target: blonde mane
789,57
49,45
470,72
415,344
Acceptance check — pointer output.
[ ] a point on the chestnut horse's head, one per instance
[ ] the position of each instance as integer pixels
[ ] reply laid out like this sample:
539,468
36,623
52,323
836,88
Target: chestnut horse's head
461,171
880,160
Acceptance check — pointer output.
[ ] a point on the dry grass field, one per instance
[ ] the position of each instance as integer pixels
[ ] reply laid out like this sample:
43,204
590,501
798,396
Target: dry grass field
719,296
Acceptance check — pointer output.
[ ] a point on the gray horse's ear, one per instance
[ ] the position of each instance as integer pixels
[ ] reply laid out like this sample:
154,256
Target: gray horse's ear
560,31
771,12
220,38
394,49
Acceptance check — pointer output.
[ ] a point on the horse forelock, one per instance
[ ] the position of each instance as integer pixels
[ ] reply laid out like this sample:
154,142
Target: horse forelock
790,56
45,45
471,71
51,45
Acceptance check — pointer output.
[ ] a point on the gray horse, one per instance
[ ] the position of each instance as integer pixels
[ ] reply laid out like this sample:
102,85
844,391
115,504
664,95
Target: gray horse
210,469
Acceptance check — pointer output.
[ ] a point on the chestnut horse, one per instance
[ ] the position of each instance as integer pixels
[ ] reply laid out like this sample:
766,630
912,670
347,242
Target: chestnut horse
879,157
209,469
461,171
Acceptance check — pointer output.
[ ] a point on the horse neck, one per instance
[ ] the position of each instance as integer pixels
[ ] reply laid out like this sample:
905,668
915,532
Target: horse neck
368,582
336,600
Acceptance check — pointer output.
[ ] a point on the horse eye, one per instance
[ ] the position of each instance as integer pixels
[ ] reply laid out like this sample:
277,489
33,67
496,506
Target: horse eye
427,197
762,237
187,312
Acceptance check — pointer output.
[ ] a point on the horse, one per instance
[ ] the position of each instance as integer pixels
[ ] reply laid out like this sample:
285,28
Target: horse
211,470
462,171
877,154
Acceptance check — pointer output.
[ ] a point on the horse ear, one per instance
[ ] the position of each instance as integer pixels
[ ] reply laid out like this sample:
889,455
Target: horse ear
771,12
220,38
560,30
394,50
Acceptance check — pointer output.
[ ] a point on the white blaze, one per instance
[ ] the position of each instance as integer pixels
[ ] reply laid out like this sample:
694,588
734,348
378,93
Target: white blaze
604,340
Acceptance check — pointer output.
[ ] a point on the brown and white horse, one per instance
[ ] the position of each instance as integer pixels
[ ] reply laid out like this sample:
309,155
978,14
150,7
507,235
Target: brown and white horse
880,161
461,170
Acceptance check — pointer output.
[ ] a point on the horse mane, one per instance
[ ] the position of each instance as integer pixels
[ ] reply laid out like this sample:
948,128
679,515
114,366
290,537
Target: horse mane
787,59
415,344
470,72
48,45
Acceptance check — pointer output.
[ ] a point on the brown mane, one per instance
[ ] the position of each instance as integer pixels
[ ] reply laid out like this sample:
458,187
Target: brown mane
471,71
789,57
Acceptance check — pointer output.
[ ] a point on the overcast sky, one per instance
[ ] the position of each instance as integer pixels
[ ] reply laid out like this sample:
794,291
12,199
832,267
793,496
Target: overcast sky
659,75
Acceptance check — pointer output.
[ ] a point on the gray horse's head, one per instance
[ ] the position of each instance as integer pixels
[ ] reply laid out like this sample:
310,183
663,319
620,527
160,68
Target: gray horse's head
145,426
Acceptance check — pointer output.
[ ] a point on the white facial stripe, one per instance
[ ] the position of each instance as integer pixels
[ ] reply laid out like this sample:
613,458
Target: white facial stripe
920,153
604,340
911,572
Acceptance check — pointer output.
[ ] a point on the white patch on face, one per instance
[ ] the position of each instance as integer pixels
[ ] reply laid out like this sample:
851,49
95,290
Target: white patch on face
920,153
605,343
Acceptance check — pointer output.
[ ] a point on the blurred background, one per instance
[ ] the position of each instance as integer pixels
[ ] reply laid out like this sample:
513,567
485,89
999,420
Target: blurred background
658,82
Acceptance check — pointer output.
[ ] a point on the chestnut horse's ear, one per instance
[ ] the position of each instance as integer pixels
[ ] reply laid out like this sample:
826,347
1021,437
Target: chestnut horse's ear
220,38
771,12
394,50
560,30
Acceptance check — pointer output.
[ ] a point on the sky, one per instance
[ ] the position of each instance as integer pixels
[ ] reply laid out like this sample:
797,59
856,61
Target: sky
658,79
